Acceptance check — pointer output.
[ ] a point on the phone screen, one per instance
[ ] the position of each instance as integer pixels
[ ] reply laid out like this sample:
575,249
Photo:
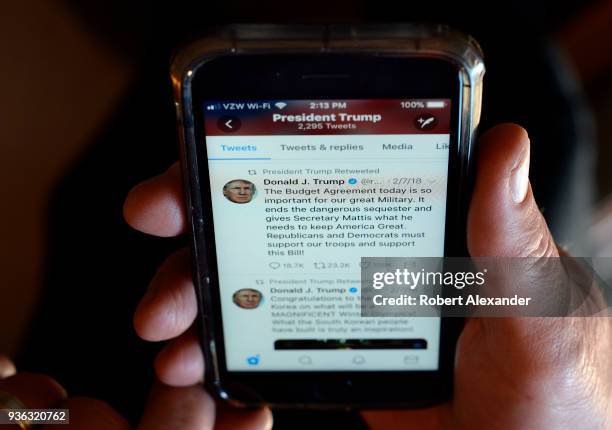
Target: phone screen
301,190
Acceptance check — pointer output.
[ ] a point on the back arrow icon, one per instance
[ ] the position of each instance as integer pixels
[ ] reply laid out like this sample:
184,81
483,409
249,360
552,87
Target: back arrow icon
229,124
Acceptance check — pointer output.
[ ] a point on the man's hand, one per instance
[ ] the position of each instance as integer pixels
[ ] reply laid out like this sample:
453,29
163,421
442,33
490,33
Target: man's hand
511,373
168,408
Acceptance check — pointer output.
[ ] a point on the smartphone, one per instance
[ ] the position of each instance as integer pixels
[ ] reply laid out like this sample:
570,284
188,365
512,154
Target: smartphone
303,150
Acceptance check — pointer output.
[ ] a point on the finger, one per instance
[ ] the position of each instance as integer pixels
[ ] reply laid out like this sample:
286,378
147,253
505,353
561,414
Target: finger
504,219
231,418
90,414
181,362
156,206
185,408
35,391
170,306
421,419
7,368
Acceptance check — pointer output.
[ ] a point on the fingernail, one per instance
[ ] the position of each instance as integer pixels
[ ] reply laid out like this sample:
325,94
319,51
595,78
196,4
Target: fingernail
519,179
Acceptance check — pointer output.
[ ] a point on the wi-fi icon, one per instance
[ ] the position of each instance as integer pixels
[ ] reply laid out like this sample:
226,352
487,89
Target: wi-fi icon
280,105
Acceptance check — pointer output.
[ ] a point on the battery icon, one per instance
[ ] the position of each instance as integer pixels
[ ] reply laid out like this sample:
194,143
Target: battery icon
435,105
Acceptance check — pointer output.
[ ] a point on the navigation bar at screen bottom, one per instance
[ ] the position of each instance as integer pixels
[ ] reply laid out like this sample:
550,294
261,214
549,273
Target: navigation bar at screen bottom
291,344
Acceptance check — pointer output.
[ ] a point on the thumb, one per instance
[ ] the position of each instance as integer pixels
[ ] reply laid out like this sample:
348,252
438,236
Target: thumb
185,408
504,219
505,222
191,408
547,355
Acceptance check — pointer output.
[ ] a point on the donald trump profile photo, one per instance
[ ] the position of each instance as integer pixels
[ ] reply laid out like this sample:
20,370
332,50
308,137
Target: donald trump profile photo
239,191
